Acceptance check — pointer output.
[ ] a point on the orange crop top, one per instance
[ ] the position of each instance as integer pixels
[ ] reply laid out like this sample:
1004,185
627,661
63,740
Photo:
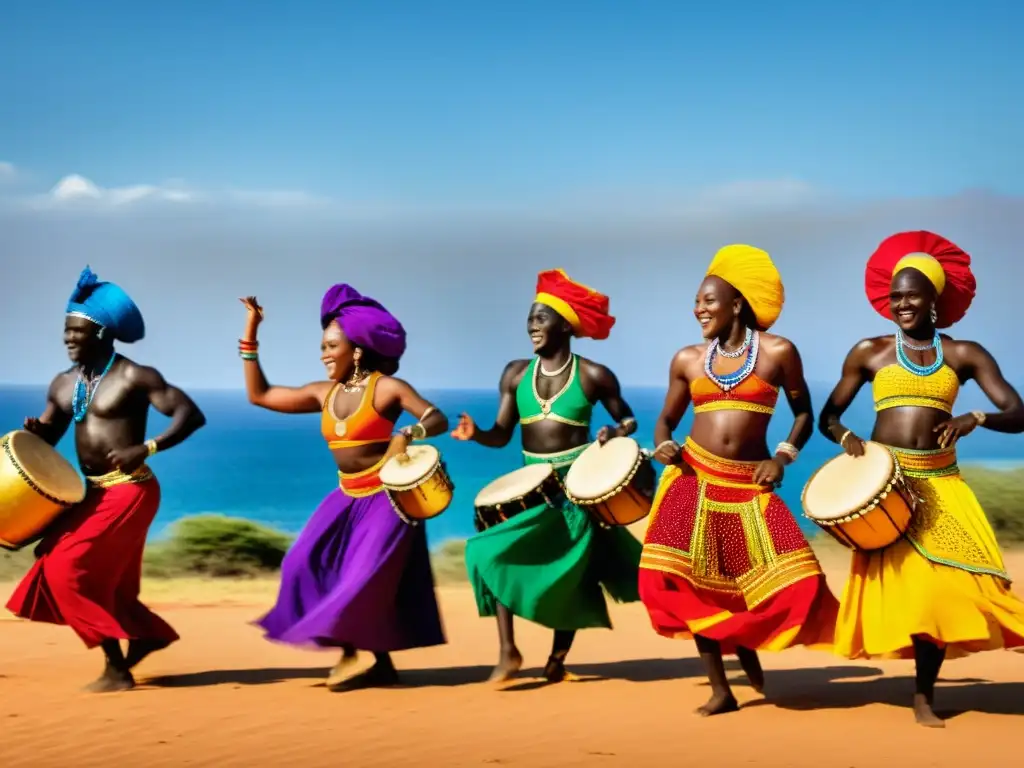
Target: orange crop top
363,426
895,387
753,394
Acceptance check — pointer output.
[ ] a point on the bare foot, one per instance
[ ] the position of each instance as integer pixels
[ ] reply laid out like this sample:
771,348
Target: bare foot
924,714
112,680
508,666
555,671
751,668
378,676
340,670
140,649
719,704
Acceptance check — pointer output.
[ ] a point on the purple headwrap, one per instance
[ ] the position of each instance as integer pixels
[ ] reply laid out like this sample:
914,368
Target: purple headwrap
365,321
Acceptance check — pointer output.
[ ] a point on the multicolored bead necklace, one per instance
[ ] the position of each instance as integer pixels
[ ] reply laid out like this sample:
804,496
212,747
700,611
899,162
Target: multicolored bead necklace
740,349
909,365
729,381
85,391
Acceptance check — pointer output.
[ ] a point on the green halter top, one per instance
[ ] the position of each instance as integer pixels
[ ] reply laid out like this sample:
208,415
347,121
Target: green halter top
569,406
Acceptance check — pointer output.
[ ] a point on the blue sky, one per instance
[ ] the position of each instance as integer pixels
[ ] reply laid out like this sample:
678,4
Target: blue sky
438,154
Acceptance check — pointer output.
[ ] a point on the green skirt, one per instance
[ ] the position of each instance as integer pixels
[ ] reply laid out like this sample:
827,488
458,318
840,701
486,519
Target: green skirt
549,564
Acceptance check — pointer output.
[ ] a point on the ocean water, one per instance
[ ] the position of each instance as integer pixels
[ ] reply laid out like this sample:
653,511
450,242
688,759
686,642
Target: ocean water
275,469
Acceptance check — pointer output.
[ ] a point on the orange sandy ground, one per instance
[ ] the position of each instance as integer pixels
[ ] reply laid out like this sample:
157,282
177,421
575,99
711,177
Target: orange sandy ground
223,696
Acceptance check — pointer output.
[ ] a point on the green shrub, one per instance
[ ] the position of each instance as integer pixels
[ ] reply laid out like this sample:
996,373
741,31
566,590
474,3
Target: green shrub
1001,494
216,545
449,562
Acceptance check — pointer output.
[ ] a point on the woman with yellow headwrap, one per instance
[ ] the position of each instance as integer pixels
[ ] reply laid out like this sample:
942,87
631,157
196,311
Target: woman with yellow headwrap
724,561
942,589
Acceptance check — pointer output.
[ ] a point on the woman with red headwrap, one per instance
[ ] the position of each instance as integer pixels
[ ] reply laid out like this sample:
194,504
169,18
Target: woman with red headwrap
548,563
941,590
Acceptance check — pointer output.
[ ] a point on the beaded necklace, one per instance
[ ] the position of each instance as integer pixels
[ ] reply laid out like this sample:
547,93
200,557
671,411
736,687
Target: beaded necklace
85,392
729,381
909,365
740,349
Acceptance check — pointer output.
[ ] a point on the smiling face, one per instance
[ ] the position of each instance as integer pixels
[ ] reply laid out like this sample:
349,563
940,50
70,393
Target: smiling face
83,341
911,298
547,329
336,352
716,306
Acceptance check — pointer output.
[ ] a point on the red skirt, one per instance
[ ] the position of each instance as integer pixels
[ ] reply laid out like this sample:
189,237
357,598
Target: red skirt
726,560
90,565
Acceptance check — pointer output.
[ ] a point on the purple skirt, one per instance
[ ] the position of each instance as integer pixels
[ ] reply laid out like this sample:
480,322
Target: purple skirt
357,575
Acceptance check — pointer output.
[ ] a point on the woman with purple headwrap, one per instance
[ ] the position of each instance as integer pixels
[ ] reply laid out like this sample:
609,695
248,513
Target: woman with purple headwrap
357,577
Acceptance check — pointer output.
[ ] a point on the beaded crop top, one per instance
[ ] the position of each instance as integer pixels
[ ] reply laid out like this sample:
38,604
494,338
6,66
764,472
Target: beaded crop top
568,406
753,394
896,387
362,427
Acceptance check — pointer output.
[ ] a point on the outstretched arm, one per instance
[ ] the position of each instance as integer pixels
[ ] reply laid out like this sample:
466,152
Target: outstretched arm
185,415
499,435
854,376
984,369
677,400
54,421
605,385
799,398
431,421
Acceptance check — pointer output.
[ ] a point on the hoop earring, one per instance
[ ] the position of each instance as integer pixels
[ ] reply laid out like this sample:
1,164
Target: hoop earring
933,314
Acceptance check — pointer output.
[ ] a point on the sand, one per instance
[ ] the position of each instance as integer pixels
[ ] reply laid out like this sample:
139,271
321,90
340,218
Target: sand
223,696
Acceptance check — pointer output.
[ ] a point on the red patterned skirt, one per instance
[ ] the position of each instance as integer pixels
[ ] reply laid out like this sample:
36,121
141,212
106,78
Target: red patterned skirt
725,559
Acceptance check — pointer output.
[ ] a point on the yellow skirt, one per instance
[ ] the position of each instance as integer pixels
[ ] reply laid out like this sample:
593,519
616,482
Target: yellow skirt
944,581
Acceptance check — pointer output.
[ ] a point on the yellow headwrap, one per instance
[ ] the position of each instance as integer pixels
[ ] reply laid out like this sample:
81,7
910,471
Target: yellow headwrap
751,272
927,265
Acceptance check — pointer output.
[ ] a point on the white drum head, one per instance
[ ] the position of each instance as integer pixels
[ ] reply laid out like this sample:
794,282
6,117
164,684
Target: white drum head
45,467
600,468
402,472
513,485
846,483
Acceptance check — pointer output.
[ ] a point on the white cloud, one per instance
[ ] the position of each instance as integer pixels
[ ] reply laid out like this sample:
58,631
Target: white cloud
76,189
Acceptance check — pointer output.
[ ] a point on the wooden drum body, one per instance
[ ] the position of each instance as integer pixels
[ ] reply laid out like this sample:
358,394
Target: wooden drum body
614,482
417,483
36,485
516,492
862,501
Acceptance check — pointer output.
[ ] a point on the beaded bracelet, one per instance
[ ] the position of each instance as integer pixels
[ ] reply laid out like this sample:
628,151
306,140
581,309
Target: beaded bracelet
253,356
151,447
787,449
663,443
416,432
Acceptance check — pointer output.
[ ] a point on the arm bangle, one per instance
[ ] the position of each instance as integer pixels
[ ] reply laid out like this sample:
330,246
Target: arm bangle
846,434
151,447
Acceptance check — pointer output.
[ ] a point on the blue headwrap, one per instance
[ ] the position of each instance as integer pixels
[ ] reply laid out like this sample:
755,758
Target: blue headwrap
108,306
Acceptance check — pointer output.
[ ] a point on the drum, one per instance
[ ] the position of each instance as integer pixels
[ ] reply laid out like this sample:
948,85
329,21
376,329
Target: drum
516,492
36,485
863,501
614,482
417,483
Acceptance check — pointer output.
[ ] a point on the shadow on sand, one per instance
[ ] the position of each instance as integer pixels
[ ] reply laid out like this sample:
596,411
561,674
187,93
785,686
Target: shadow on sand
807,690
635,670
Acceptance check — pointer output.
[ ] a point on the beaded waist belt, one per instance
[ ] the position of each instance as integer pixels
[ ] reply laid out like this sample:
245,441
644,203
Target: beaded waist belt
558,460
359,484
940,462
704,461
117,477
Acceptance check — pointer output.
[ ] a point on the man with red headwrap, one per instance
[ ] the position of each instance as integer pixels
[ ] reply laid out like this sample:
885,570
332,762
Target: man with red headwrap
549,562
942,589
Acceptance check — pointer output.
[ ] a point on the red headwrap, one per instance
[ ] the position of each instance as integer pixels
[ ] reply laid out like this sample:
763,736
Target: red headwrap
585,309
956,287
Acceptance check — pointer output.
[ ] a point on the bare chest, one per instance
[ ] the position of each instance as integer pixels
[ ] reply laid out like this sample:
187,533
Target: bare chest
110,398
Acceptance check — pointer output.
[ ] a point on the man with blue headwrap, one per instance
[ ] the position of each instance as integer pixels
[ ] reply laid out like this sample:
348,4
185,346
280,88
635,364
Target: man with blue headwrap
87,574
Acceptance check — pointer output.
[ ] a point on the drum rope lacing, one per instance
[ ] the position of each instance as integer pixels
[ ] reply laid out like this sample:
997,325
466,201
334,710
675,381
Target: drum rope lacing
6,443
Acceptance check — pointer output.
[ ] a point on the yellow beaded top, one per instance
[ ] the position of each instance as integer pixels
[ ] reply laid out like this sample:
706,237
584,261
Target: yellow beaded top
896,387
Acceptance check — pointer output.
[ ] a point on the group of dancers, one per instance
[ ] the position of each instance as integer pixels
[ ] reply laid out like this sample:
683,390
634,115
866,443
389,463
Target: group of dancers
723,560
